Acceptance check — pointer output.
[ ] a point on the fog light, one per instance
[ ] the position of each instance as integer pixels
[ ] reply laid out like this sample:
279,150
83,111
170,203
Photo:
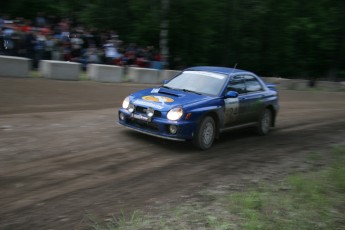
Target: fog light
150,112
131,108
122,117
173,129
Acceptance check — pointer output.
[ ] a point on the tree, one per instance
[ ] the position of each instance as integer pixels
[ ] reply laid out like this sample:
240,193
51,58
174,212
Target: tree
294,38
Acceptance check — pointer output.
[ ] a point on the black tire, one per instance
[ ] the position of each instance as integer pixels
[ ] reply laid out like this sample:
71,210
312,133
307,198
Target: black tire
205,134
265,122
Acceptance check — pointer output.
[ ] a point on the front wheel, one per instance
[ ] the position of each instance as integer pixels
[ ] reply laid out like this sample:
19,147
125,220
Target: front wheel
205,134
265,122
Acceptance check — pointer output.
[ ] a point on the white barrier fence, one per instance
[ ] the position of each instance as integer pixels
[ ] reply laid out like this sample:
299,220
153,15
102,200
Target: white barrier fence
168,74
150,76
14,66
105,73
61,70
143,75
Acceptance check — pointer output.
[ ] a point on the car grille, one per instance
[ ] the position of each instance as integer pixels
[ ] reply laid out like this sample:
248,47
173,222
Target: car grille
140,109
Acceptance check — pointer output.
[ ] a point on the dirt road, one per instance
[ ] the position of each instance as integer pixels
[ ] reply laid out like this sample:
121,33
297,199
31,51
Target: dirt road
62,156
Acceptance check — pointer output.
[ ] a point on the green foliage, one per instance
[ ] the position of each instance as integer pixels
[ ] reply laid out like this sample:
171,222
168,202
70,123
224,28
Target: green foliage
291,38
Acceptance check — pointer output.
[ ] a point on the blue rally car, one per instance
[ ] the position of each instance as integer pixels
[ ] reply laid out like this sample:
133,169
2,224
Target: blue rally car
200,103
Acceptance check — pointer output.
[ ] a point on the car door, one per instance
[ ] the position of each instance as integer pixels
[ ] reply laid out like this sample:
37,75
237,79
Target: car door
254,96
236,109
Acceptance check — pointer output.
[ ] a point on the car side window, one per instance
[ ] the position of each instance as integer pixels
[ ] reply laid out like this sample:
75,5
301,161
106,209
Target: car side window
252,84
237,84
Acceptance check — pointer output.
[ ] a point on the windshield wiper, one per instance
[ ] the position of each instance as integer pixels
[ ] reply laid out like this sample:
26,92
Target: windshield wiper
184,90
190,91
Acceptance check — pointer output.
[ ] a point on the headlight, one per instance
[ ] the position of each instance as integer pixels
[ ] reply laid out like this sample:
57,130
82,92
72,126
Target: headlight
175,114
125,103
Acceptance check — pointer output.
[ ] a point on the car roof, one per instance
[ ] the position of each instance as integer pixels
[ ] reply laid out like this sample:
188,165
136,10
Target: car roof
216,69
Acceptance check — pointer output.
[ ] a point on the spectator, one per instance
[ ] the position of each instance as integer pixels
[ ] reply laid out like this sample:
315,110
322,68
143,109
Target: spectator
21,44
40,45
8,37
131,53
92,55
49,47
142,59
60,40
110,52
64,27
26,27
2,52
76,45
57,49
30,41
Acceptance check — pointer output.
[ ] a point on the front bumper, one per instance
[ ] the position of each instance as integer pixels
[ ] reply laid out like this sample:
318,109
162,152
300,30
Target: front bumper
157,126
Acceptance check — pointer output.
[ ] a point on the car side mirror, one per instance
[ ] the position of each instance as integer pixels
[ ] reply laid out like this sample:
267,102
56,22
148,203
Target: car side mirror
231,94
165,82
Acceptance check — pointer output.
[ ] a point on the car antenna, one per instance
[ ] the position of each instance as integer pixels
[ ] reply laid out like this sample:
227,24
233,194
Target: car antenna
233,69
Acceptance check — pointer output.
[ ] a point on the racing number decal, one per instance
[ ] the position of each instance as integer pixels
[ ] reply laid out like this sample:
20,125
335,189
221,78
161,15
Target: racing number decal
231,110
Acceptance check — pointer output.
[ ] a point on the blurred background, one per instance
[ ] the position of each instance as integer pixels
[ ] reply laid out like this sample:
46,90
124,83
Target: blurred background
290,38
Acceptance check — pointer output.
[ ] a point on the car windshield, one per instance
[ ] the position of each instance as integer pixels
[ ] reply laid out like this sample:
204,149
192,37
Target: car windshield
200,82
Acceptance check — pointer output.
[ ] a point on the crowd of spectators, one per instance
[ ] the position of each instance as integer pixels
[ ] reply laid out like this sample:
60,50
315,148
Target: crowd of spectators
49,38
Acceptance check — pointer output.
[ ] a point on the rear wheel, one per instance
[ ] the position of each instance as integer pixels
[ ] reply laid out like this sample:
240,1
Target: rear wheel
265,122
205,134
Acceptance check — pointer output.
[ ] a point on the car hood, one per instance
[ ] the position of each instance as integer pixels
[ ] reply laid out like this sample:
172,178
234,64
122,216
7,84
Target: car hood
164,99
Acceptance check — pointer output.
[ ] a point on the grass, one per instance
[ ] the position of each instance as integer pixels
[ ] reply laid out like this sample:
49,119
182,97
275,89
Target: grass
123,222
84,76
35,74
309,200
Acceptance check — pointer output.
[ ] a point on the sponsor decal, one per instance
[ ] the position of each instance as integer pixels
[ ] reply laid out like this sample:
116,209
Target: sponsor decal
155,90
161,99
140,117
